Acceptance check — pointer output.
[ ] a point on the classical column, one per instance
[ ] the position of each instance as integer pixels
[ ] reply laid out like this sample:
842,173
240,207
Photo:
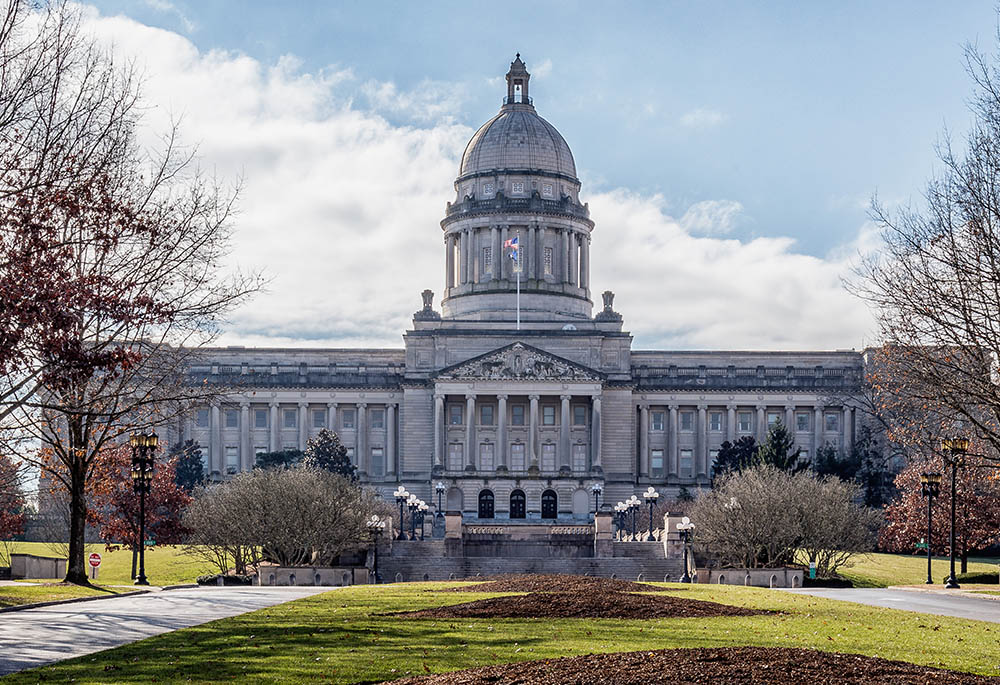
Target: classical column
495,266
595,433
303,424
275,427
361,439
529,252
463,257
215,440
449,260
673,455
438,427
246,449
390,438
790,418
502,430
331,416
470,431
564,260
702,440
761,424
503,262
731,422
848,428
643,440
533,431
817,428
584,261
574,270
540,253
564,457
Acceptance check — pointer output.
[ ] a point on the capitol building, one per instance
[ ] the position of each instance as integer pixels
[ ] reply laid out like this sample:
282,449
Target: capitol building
517,392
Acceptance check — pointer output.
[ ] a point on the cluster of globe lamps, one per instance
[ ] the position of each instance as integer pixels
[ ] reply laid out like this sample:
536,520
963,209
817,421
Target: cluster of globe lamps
417,507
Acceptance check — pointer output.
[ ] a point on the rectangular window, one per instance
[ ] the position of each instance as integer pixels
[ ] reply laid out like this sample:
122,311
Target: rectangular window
715,421
202,418
832,423
488,190
517,456
803,456
745,421
486,415
378,461
802,421
291,418
687,421
290,446
378,418
657,422
488,260
713,456
656,462
232,418
260,449
547,260
548,416
517,187
454,415
579,416
232,459
350,455
517,415
546,190
772,418
686,464
579,458
260,418
319,418
455,456
548,457
486,457
347,418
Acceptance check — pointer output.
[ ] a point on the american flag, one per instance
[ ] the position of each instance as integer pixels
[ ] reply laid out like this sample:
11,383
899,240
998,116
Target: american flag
512,244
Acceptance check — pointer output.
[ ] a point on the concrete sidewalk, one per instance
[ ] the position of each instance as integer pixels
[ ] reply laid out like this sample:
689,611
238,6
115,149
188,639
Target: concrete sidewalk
940,603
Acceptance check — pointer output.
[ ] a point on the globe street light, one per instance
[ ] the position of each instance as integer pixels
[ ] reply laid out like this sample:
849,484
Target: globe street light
596,489
143,453
930,487
376,527
633,505
439,489
411,504
620,518
401,496
956,447
651,495
685,527
422,508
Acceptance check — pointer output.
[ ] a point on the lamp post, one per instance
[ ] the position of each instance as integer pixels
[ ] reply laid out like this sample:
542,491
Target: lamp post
956,447
633,505
376,527
422,508
930,487
620,518
685,527
401,496
439,489
651,495
596,489
143,453
411,504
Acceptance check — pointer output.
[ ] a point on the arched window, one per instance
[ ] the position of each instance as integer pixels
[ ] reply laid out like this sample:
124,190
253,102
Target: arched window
486,504
550,503
517,504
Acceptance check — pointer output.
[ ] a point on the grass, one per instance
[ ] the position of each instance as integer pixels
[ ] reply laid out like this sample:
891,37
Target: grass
987,592
883,570
340,637
164,565
15,595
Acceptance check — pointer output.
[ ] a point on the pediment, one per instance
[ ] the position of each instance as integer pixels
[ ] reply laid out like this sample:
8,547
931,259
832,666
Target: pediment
519,362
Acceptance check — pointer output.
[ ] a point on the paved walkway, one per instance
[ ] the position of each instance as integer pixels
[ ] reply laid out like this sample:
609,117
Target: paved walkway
35,637
939,603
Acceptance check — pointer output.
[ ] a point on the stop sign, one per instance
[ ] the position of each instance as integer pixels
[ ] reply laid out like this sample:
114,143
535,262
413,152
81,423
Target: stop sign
95,559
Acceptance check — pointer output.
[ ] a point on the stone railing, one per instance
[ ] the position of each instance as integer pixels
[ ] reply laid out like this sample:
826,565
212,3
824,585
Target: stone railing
571,530
486,530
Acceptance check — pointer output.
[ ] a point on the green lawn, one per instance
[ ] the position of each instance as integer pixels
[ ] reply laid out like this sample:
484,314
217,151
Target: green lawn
13,595
339,637
882,570
164,565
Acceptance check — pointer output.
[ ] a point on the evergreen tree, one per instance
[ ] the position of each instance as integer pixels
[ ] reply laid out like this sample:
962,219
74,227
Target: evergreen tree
279,459
779,450
325,451
865,464
190,470
734,456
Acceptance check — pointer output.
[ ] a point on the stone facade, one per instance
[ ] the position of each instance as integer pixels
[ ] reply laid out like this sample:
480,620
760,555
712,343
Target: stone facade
515,396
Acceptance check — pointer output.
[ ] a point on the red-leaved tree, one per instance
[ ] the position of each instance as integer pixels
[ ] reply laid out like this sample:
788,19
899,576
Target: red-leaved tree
11,501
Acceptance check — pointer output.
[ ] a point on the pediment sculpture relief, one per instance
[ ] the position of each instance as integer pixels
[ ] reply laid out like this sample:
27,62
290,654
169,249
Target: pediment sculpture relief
519,362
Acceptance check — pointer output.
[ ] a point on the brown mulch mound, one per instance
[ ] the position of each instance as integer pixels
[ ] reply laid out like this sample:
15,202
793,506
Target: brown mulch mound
553,582
759,665
584,605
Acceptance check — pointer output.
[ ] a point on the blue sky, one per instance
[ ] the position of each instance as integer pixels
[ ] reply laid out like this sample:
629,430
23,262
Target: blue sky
745,132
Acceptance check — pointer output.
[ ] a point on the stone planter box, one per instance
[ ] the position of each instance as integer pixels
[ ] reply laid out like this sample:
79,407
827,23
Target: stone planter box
311,575
755,577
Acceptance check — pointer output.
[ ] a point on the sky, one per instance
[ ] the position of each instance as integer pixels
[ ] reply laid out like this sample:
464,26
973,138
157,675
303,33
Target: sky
728,151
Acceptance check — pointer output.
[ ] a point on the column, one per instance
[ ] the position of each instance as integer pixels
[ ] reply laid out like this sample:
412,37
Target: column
564,456
503,261
303,424
533,430
564,260
275,427
502,430
470,432
390,438
731,423
585,261
438,427
331,416
529,252
673,455
246,449
702,440
463,257
449,259
817,428
361,439
761,424
595,433
790,418
495,266
540,254
215,440
572,258
643,440
848,428
476,263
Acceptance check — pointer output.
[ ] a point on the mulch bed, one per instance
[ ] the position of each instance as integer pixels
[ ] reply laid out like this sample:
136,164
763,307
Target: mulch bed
583,605
554,583
757,665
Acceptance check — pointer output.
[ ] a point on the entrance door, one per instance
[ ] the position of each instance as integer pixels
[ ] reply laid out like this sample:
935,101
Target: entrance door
486,504
517,502
549,504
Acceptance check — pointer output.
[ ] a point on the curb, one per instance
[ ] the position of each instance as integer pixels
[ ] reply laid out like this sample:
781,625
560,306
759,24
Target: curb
942,591
183,586
72,600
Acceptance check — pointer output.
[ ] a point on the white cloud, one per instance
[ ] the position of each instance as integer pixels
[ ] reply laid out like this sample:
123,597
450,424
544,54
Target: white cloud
168,7
702,118
341,208
540,69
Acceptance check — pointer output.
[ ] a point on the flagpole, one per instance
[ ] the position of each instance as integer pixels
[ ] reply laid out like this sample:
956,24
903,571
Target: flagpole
517,263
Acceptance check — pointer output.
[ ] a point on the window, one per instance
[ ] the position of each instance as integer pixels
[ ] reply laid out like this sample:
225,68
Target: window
488,190
455,456
378,461
202,418
350,455
802,421
657,423
260,418
548,457
547,260
772,418
546,190
687,463
715,421
517,415
656,462
232,459
745,421
548,416
232,418
517,187
259,450
467,192
454,415
579,458
486,415
486,504
832,423
687,421
347,418
291,418
517,456
803,456
319,418
579,416
486,456
713,456
378,418
488,260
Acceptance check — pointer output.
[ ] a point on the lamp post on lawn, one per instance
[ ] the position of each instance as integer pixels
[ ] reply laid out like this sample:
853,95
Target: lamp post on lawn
633,505
956,447
439,489
423,512
651,495
685,527
143,452
401,496
411,504
376,527
596,489
930,487
620,518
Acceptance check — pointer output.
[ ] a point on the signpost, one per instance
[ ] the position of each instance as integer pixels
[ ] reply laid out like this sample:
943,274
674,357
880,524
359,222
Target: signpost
812,570
95,563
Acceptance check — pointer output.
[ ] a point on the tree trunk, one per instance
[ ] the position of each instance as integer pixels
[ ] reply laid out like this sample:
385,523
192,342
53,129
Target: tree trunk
965,561
135,560
76,567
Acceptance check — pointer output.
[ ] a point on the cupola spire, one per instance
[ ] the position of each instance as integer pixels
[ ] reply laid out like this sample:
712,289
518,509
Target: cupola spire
517,83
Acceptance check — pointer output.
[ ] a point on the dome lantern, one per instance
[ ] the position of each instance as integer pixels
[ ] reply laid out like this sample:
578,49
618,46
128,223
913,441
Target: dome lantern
517,83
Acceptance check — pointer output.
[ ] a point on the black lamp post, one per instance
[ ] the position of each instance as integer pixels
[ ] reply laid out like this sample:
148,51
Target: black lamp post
956,448
439,489
143,453
634,504
422,509
651,495
596,489
376,526
411,504
401,496
930,487
685,527
620,518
